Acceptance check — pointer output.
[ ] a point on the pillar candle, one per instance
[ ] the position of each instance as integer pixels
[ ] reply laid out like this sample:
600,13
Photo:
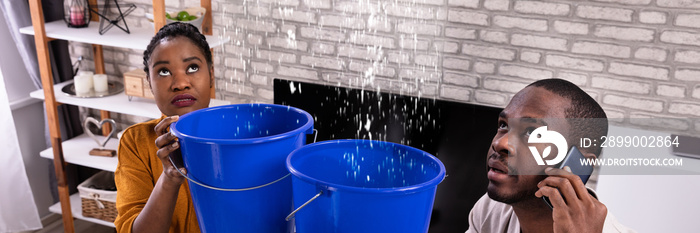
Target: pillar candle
86,72
100,83
83,84
77,16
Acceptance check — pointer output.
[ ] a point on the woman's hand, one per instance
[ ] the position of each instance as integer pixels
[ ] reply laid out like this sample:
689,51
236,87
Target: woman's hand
167,143
580,212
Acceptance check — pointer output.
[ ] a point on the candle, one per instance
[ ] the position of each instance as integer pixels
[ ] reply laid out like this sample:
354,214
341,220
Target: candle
77,16
100,83
85,72
83,84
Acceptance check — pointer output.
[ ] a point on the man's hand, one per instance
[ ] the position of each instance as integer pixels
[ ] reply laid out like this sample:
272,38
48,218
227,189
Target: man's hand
167,143
580,212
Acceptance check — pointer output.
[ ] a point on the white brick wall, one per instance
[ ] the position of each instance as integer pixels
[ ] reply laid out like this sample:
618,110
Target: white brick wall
541,8
629,2
566,27
488,52
681,37
461,79
455,93
468,17
604,13
497,5
624,33
684,74
498,37
638,58
524,72
618,84
639,70
520,23
688,20
464,3
687,56
603,49
678,4
456,63
577,63
461,33
653,17
542,42
645,104
503,85
490,97
655,54
484,67
670,90
531,57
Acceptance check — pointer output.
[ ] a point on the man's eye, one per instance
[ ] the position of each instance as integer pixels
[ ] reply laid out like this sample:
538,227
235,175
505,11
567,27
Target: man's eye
163,72
502,125
192,69
528,131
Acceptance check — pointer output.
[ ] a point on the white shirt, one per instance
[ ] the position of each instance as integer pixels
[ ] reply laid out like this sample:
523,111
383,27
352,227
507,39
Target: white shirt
490,216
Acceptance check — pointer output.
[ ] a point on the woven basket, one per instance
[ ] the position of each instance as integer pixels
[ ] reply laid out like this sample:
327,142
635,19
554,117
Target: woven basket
99,203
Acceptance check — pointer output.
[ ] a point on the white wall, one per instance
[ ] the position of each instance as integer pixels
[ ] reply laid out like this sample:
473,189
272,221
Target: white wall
28,115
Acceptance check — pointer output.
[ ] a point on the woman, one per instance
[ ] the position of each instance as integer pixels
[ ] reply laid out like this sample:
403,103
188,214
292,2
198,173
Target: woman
152,196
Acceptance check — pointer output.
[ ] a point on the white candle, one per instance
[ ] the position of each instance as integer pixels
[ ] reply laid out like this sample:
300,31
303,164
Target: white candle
85,72
100,83
83,84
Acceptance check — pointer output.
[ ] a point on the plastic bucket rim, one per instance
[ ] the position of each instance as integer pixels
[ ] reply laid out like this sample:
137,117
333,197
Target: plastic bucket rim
308,125
432,183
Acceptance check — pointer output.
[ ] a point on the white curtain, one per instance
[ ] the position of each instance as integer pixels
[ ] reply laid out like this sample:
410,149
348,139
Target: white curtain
18,211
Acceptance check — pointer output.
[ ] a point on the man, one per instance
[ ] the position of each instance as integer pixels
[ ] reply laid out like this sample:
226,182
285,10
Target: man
513,202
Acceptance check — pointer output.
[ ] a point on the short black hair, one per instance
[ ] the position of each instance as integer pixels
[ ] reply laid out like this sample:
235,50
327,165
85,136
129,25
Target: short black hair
173,30
586,117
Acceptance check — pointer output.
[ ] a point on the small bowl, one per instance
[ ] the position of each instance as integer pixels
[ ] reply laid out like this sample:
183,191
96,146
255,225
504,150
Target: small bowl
196,11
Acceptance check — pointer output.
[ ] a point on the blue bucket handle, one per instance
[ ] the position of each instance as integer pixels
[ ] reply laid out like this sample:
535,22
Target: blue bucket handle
291,215
314,131
223,189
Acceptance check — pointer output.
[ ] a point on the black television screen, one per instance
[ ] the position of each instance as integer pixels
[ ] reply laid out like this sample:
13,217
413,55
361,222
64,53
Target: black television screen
459,134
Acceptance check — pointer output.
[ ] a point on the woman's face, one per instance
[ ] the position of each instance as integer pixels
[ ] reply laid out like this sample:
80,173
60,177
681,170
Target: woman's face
179,76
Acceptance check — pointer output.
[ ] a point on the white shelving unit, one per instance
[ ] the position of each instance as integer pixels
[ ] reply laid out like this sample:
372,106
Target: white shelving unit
76,151
118,103
77,211
137,39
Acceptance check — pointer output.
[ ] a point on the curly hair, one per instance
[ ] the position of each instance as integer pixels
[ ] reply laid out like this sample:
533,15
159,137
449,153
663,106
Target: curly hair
173,30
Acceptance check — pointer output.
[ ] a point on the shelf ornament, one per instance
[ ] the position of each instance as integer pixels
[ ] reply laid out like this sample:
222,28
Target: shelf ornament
101,151
78,14
118,21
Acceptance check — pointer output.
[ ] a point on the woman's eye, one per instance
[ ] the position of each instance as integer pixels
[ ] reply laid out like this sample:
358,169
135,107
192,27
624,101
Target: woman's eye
192,69
163,72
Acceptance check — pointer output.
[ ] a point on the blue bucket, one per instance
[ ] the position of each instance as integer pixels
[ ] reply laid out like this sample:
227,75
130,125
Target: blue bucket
235,159
363,186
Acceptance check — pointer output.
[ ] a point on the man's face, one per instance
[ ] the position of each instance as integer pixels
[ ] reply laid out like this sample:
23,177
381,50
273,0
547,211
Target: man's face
513,172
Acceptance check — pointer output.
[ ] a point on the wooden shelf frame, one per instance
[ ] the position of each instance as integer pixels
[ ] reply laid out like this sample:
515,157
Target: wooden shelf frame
41,43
